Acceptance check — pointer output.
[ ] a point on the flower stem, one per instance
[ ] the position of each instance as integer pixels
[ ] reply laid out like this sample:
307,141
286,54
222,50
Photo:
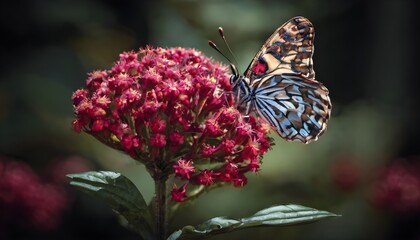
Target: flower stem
161,207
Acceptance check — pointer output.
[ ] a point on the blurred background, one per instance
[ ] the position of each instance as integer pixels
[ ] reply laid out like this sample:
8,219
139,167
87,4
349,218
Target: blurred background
366,167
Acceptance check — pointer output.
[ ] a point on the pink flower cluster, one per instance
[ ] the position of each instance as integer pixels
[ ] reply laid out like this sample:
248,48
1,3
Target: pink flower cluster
398,188
171,110
26,200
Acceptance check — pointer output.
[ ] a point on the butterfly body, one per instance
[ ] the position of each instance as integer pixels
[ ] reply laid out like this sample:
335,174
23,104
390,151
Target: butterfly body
279,84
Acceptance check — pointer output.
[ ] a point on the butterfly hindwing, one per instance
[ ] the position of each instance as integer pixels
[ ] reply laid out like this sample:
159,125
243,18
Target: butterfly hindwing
297,108
288,49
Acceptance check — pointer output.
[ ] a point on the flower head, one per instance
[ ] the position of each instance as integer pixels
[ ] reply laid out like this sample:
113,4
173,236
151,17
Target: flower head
398,188
183,168
170,109
27,200
179,194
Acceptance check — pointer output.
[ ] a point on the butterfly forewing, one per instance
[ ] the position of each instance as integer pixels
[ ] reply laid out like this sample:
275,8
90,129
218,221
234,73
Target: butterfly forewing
283,90
288,49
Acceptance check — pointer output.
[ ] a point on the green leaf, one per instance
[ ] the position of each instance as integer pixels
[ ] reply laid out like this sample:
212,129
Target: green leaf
281,215
120,194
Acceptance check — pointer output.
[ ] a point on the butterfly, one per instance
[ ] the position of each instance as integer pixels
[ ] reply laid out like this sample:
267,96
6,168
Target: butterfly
279,84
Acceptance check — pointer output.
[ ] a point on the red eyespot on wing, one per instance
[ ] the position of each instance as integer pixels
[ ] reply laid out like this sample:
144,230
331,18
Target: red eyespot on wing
260,68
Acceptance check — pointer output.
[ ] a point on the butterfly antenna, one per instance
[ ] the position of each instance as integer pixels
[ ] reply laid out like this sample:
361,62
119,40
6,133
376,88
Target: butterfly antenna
232,66
222,34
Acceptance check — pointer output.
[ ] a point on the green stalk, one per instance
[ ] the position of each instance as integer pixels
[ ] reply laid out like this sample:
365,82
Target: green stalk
160,208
